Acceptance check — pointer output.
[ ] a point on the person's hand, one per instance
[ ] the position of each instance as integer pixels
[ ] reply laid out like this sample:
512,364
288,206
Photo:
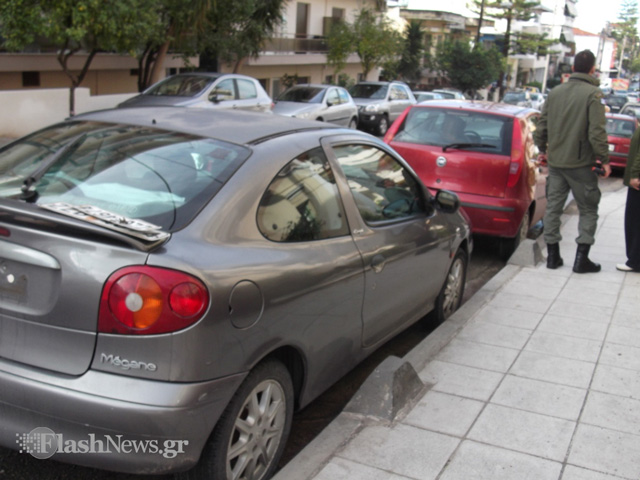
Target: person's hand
542,160
607,170
635,183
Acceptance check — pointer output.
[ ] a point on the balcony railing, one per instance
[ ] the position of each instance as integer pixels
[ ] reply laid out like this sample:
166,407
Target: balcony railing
297,45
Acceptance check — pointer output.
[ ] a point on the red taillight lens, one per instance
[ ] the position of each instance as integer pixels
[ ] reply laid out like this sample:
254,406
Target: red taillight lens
148,300
517,154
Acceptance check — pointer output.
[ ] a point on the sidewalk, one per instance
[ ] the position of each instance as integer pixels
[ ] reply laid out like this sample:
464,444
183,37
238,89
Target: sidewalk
536,377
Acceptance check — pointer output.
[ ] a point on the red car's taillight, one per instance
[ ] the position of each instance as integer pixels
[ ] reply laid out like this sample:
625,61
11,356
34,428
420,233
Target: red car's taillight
517,155
146,300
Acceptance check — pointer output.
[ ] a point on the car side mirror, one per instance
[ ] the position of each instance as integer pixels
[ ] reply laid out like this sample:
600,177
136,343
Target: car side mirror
213,97
447,202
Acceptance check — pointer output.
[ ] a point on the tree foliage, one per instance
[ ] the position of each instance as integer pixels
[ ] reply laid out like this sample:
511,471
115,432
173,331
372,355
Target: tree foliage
410,64
466,68
71,26
625,32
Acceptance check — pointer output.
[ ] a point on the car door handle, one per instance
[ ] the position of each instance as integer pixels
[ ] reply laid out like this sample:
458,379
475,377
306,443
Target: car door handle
377,263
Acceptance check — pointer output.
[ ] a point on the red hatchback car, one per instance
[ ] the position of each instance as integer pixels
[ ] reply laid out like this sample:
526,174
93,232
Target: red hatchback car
620,129
485,153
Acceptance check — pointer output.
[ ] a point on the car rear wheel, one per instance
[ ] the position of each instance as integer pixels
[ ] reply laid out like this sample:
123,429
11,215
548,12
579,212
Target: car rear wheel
252,432
450,296
509,245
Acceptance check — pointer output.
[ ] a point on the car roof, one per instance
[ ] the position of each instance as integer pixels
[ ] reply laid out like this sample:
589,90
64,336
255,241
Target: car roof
478,106
240,127
621,116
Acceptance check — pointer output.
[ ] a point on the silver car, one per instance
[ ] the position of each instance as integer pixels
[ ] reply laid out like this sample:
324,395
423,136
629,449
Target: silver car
205,90
173,284
325,103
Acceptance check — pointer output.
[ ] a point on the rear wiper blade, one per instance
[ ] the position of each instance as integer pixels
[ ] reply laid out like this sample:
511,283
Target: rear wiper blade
29,192
467,145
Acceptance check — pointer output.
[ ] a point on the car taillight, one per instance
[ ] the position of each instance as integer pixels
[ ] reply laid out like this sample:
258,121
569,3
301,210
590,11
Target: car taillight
146,300
517,155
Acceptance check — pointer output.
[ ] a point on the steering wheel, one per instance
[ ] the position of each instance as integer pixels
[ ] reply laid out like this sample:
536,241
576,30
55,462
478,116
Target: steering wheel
473,137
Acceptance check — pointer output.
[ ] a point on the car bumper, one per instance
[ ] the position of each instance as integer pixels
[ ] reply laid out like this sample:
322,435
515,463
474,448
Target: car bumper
498,217
109,421
369,120
618,160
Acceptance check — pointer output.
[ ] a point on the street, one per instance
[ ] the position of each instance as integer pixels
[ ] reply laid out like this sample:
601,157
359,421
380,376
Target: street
485,263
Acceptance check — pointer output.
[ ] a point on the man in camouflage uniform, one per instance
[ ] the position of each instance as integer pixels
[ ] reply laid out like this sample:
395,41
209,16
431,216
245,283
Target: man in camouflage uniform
571,136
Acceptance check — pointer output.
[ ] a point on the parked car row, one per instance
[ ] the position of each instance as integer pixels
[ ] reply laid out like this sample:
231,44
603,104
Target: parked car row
173,275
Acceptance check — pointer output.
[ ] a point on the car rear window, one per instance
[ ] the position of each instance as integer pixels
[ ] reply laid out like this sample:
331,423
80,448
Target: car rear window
445,127
619,127
181,86
158,176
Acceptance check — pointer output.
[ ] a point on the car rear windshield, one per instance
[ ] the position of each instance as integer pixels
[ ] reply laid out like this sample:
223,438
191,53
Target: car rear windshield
442,127
618,127
181,86
158,176
303,95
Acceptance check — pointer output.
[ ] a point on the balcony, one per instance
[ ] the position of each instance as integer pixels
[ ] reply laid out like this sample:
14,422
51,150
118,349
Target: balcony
296,45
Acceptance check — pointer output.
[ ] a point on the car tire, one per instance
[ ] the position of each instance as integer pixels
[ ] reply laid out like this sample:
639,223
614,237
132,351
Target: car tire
509,245
450,297
383,125
255,425
353,123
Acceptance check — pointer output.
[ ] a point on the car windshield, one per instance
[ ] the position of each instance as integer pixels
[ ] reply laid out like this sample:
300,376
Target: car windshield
443,127
514,97
447,94
616,100
181,86
364,90
157,176
618,127
303,95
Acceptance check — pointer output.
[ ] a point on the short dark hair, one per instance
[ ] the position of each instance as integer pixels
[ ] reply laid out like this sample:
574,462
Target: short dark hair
584,61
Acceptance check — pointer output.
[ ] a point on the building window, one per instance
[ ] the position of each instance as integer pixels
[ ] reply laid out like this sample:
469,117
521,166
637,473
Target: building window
302,19
30,79
134,72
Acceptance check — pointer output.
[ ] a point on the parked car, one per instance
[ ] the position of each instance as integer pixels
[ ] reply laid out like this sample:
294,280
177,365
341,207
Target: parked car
615,102
326,103
521,98
205,90
485,153
380,103
182,281
450,93
631,108
620,129
423,96
537,100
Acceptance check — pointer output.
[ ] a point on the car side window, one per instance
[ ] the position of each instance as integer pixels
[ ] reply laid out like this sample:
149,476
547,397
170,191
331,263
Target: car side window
246,89
383,189
302,202
398,93
224,90
344,96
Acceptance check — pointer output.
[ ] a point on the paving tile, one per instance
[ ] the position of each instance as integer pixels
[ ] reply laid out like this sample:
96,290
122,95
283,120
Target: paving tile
540,397
606,451
622,335
538,291
626,316
520,301
565,371
533,277
586,295
491,334
574,327
622,356
613,412
461,380
508,317
444,413
341,469
403,450
617,381
605,283
525,432
577,473
475,461
574,309
631,292
473,354
564,346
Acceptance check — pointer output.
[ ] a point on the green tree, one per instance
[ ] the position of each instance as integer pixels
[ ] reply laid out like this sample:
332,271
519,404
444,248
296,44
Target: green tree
409,66
626,33
340,42
465,67
71,26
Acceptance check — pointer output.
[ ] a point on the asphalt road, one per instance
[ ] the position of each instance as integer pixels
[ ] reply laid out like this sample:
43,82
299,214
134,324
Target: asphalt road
485,263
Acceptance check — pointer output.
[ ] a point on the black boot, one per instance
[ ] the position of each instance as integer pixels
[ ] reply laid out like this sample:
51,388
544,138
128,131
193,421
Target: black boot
554,260
582,263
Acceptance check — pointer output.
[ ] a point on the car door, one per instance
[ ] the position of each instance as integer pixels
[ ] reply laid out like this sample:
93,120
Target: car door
247,95
400,100
223,94
335,111
404,244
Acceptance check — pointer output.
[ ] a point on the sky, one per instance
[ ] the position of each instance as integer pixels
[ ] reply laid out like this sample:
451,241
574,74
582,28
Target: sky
593,14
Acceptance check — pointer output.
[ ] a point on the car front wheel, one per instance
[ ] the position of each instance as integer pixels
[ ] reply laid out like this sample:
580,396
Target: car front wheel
251,433
450,296
383,125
